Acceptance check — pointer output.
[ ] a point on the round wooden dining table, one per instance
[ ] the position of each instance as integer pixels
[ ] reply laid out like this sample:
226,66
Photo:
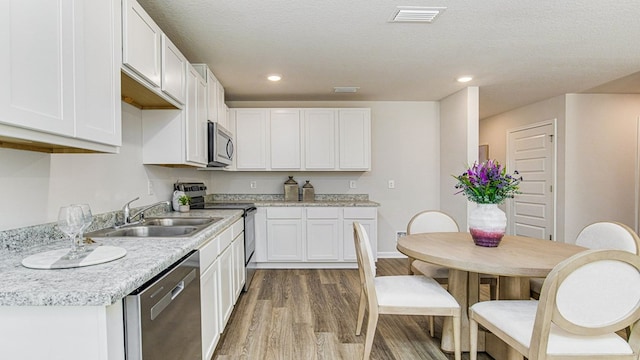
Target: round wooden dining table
514,261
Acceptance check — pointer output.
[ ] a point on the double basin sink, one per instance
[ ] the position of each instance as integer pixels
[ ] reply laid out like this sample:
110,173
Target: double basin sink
158,227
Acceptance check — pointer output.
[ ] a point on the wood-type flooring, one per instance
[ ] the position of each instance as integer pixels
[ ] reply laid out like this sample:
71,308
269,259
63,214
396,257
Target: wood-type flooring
311,314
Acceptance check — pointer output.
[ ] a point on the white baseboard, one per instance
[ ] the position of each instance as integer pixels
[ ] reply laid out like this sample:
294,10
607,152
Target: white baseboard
390,255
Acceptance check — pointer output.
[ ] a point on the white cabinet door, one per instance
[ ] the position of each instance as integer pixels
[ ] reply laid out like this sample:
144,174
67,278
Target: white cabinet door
210,309
322,240
98,102
174,69
261,235
284,240
323,234
355,139
349,248
37,65
238,266
226,285
251,138
212,97
76,93
141,42
285,137
320,134
220,106
196,124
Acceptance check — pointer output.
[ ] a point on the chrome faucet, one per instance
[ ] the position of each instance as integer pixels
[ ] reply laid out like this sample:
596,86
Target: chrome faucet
128,217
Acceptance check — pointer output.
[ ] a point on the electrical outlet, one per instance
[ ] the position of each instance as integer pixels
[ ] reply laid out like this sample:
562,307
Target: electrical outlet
254,185
400,234
392,184
150,187
352,184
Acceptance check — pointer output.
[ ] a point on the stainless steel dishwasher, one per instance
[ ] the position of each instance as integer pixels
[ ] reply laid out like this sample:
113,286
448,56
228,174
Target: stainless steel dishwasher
162,317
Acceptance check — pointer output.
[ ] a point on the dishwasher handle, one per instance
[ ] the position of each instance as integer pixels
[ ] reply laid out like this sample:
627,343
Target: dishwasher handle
162,304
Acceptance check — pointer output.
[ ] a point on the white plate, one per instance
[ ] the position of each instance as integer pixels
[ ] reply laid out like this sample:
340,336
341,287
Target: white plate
54,259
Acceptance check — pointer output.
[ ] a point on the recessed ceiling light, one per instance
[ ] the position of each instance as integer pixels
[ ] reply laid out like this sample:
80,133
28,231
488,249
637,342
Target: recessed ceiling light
464,79
345,89
274,77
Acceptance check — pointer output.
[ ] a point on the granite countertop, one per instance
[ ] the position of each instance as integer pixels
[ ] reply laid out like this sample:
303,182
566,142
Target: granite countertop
103,284
321,200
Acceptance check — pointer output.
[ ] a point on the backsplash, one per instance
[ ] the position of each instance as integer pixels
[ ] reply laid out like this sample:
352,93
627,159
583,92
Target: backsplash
15,240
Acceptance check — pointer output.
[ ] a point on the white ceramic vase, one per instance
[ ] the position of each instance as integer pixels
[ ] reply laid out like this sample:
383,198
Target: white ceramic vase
184,208
487,225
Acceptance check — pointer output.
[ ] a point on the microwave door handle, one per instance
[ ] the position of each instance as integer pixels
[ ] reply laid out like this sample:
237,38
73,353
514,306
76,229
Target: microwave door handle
230,148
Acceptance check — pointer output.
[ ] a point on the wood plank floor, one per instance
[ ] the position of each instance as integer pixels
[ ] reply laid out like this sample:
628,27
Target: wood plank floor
311,314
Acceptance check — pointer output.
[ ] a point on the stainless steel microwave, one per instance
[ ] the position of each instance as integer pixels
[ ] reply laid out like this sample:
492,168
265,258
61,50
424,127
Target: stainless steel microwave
220,147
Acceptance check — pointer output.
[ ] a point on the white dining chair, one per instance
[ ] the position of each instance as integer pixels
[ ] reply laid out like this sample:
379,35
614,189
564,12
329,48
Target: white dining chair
584,301
438,221
599,235
398,295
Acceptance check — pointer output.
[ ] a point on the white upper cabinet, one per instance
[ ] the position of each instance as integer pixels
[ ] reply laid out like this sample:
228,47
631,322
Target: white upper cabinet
60,91
320,139
285,133
178,137
220,106
355,139
174,71
303,139
216,108
141,42
196,126
251,138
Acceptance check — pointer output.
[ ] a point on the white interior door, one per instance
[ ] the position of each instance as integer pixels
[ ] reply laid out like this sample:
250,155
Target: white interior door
531,151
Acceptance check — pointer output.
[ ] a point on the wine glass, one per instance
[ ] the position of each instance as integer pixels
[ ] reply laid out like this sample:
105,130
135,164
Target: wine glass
88,219
70,222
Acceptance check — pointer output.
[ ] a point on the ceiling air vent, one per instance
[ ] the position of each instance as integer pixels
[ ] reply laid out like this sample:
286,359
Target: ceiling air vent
416,14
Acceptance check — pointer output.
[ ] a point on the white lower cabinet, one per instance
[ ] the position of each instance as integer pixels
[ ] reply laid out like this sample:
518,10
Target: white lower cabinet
284,232
323,230
221,281
368,218
311,236
210,308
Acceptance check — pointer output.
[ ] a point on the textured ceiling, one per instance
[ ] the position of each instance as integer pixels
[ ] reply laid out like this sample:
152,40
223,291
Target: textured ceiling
518,51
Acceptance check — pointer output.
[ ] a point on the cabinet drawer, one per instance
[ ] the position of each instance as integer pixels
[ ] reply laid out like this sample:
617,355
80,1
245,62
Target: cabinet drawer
322,213
360,213
209,252
284,213
237,228
225,239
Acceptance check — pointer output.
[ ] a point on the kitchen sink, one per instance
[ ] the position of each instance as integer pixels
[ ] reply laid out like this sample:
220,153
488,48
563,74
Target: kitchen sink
158,227
176,221
152,231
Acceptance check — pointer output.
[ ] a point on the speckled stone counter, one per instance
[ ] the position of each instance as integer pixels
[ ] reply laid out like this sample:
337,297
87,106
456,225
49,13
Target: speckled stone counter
103,284
322,200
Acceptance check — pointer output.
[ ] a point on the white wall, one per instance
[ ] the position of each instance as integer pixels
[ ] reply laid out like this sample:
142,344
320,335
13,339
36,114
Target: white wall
597,147
459,114
37,184
601,148
405,148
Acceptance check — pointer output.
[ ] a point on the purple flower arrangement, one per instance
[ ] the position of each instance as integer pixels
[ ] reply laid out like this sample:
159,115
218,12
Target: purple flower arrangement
488,183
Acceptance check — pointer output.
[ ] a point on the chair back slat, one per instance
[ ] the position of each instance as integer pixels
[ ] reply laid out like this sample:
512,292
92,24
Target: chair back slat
431,221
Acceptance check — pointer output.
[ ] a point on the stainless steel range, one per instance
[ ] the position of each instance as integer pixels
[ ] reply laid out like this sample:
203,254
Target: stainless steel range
197,191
